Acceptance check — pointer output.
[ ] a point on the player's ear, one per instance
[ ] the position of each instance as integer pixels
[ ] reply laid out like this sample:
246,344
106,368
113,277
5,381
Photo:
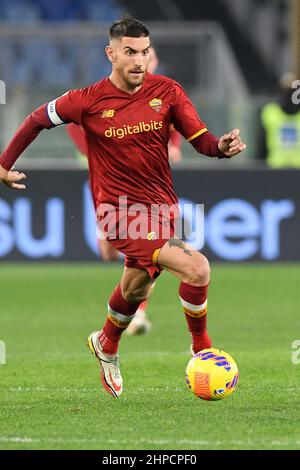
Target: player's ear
109,53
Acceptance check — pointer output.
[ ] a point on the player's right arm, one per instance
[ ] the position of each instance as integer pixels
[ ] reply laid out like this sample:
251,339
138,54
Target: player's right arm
12,178
65,109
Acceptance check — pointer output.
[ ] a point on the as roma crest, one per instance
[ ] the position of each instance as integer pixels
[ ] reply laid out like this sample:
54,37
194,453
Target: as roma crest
156,104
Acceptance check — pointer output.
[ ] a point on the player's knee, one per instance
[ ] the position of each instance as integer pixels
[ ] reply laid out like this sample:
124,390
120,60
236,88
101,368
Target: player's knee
198,272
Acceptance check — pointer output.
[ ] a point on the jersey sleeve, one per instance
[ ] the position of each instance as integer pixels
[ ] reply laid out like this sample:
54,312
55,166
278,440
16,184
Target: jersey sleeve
185,117
68,108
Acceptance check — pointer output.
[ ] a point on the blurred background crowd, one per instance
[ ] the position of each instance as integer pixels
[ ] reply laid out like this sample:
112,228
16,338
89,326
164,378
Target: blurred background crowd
234,58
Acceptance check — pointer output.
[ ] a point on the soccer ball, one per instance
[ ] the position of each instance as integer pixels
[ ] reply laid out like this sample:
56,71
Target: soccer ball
212,374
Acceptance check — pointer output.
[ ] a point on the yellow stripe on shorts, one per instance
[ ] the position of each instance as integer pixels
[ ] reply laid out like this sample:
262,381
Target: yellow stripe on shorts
155,256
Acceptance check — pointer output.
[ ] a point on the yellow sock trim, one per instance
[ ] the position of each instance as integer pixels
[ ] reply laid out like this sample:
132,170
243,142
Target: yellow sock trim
199,314
118,323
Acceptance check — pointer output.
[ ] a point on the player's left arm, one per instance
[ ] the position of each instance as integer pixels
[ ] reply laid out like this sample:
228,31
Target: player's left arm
187,121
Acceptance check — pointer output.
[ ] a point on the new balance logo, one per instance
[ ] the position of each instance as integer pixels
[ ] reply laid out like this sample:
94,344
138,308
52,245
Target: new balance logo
108,113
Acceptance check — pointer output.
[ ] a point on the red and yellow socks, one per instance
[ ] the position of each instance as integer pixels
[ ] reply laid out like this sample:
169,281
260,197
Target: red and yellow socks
194,302
120,314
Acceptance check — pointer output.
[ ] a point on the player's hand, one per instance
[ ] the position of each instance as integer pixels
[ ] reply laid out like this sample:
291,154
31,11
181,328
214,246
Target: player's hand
231,144
11,178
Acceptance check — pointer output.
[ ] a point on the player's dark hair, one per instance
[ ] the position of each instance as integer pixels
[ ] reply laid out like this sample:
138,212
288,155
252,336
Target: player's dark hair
129,27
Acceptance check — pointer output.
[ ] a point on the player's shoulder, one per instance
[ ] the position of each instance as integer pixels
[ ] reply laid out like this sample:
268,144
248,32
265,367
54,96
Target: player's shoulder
158,79
88,94
92,90
163,82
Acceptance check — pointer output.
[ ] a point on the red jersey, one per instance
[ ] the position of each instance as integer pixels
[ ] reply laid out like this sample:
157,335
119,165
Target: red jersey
127,136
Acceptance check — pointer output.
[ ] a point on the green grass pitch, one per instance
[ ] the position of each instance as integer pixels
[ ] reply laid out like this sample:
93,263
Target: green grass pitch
50,392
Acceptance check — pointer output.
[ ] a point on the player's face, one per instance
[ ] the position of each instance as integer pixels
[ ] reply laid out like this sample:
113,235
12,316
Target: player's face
130,58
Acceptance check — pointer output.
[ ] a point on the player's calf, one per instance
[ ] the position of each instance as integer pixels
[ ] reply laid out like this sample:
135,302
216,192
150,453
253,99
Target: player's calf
135,285
193,270
120,314
194,303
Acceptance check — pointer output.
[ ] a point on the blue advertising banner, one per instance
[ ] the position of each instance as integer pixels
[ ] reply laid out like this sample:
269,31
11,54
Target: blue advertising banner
249,215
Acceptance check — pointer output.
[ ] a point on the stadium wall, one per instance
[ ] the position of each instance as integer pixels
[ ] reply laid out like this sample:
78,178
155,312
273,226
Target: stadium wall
250,215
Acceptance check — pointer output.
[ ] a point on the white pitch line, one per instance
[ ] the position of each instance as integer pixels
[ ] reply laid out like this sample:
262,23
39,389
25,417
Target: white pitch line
87,390
98,390
160,442
202,442
24,440
48,390
83,354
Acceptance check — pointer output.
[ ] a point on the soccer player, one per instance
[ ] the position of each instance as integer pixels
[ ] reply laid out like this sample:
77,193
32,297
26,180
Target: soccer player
126,119
140,324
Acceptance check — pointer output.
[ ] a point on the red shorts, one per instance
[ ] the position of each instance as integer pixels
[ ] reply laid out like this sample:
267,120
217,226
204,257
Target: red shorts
142,252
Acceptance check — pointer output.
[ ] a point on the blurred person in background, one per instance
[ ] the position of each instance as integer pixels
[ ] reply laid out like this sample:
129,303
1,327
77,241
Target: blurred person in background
141,323
279,136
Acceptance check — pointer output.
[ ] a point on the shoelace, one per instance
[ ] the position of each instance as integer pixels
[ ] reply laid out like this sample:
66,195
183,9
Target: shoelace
115,362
